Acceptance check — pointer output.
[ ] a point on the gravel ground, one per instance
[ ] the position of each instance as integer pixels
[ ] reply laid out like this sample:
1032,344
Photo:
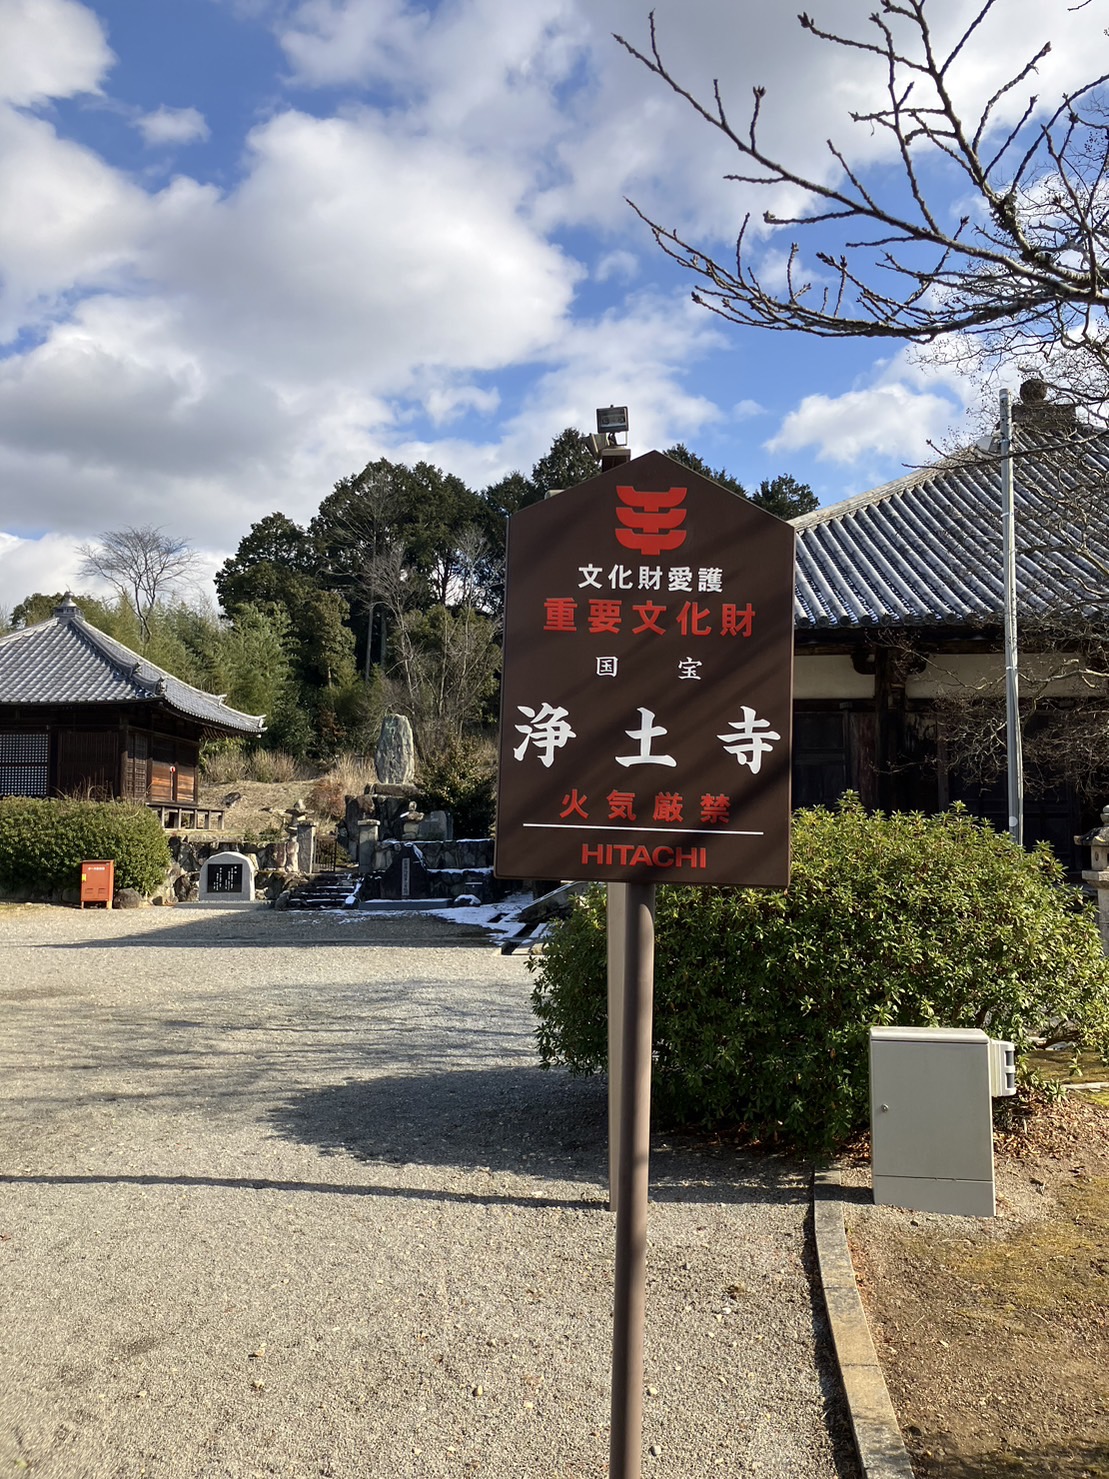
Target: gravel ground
288,1195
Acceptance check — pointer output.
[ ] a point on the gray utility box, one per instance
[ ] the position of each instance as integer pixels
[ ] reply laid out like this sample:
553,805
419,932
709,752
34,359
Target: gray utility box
931,1119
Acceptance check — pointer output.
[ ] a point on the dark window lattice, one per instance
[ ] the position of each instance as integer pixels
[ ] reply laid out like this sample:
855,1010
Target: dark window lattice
24,763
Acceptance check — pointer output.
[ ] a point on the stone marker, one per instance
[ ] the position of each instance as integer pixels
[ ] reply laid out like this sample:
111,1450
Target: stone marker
227,878
395,756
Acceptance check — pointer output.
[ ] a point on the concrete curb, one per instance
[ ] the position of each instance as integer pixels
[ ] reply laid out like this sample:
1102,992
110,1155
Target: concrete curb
878,1440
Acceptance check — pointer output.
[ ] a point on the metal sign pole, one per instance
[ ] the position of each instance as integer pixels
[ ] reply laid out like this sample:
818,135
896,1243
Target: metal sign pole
1009,581
616,910
626,1434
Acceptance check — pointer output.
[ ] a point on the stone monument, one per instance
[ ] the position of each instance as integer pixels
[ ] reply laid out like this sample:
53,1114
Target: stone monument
395,756
227,878
1098,872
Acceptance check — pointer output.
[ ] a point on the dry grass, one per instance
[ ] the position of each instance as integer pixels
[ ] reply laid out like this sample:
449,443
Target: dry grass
229,765
274,767
992,1332
260,805
1043,1266
349,776
352,771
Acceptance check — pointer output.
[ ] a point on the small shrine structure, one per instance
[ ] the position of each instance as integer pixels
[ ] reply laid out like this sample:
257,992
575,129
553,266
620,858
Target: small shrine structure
80,714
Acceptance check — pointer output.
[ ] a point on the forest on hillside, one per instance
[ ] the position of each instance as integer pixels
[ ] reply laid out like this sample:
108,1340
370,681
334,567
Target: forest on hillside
389,600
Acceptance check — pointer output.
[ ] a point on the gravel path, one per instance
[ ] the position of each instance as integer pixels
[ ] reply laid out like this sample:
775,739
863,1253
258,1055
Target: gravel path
287,1195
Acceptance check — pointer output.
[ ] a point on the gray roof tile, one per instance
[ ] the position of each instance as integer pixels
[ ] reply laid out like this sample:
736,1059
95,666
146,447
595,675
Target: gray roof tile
926,549
65,660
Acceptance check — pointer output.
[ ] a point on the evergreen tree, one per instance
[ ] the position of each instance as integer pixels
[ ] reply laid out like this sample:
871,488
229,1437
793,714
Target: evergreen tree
568,463
786,497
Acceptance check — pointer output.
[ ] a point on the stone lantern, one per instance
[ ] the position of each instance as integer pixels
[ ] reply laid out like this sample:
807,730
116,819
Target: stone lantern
1098,872
302,837
369,829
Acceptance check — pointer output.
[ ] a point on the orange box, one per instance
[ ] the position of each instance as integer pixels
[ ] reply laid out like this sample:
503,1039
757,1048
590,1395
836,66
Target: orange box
98,883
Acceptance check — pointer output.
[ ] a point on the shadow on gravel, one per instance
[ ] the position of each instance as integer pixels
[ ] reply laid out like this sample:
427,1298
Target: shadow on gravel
260,928
862,1196
522,1120
315,1188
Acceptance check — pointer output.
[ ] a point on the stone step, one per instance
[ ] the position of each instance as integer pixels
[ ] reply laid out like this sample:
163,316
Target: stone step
325,891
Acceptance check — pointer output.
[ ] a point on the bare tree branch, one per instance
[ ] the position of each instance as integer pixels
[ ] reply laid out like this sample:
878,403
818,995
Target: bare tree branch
1026,272
142,564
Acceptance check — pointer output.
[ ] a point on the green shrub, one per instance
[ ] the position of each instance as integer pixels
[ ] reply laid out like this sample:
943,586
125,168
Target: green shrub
43,844
764,998
461,779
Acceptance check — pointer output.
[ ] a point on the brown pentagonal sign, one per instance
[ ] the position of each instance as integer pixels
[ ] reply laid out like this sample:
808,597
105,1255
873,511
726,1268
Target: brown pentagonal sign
648,684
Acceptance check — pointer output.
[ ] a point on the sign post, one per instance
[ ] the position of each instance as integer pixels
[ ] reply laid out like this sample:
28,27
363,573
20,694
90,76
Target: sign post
646,708
616,903
632,1158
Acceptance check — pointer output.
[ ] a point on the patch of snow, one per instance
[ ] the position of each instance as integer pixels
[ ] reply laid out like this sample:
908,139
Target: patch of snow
498,920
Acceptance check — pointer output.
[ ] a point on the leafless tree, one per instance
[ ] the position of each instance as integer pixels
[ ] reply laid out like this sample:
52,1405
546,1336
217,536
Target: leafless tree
142,564
1023,275
1021,278
444,660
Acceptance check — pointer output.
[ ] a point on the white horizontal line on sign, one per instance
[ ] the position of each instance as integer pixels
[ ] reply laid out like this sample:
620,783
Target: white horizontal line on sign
664,831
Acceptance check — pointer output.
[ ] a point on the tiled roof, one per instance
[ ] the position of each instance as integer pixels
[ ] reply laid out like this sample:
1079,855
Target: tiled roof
926,550
65,660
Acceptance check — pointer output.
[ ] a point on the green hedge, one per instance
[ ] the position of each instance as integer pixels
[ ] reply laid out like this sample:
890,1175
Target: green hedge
764,998
43,844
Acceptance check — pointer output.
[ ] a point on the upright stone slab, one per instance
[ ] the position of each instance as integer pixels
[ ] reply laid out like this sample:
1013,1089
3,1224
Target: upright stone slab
304,835
227,878
406,876
395,756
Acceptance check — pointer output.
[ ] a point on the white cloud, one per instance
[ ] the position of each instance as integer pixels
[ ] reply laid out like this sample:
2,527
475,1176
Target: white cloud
198,355
50,49
481,71
335,41
621,265
113,389
633,137
908,406
349,249
636,356
270,334
172,126
445,403
889,420
69,221
48,563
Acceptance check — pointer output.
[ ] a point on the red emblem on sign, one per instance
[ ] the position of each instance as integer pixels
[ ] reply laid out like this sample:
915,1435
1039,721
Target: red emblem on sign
651,520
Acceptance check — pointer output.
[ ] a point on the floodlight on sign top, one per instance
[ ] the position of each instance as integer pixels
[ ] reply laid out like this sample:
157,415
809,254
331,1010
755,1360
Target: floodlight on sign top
612,419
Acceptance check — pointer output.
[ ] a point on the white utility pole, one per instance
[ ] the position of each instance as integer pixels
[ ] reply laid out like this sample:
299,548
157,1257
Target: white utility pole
1009,578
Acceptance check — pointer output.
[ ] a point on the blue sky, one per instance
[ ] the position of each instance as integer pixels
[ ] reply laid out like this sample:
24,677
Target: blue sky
249,245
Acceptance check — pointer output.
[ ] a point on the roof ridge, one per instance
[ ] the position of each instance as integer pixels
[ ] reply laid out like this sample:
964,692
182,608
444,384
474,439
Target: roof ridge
159,676
18,632
857,501
66,648
103,644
